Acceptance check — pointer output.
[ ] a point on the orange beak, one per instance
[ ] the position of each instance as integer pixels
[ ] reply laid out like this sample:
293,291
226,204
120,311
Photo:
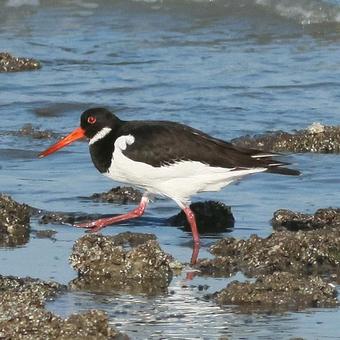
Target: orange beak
76,134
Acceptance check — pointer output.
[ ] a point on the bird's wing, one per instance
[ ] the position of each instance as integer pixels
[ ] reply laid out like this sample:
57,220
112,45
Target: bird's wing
161,143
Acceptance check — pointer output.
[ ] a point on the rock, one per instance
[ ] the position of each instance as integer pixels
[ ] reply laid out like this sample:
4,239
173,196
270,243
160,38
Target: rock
316,138
23,315
322,218
14,222
280,291
37,290
306,252
9,63
57,218
45,234
28,130
130,261
120,195
211,216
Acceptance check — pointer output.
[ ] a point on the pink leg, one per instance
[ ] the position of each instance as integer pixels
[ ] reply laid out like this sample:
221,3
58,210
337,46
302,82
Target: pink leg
94,226
192,221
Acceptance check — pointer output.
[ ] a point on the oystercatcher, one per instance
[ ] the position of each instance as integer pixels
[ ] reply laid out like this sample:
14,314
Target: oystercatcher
164,158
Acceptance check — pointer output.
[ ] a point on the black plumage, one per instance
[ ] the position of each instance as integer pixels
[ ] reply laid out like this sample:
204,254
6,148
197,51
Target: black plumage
160,143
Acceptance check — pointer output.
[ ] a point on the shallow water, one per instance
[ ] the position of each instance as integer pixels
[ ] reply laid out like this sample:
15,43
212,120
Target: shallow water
228,67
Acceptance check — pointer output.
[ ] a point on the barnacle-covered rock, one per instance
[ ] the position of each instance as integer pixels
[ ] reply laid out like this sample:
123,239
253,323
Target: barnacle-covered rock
14,222
8,63
23,315
128,261
306,252
120,195
289,220
279,291
315,138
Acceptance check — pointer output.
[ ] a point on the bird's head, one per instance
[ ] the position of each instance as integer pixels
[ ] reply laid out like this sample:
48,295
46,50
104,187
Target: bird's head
94,124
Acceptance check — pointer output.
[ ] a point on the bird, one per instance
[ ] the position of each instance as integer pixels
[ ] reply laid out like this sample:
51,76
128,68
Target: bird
164,158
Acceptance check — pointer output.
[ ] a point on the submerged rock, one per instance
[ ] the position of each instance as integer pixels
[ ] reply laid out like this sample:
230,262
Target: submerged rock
120,195
306,252
279,291
45,234
57,218
8,63
128,261
316,138
14,222
23,315
290,220
28,130
211,216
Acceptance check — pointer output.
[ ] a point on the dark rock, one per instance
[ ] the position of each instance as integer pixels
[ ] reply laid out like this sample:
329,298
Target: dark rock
23,315
29,131
57,218
129,261
316,138
279,291
129,240
14,222
38,290
220,266
45,234
120,195
211,216
322,218
306,252
9,63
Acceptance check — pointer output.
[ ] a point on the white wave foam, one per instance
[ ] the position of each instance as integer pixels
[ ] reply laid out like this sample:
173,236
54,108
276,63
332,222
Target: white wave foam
19,3
304,11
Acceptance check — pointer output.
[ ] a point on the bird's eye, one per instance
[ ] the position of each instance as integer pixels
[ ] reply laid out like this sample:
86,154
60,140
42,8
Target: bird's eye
91,120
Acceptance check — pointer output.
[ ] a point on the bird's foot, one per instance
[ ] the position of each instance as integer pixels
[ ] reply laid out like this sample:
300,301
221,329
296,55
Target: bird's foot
92,227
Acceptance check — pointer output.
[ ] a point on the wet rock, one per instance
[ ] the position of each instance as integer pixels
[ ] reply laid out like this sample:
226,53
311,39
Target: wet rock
322,218
14,222
38,290
211,216
129,240
71,218
45,234
306,252
120,195
28,130
279,291
57,218
315,138
128,261
8,63
23,315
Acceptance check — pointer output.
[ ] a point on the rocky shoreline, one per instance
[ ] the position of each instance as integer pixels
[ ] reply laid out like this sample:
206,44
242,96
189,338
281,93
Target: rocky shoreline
23,316
294,268
307,257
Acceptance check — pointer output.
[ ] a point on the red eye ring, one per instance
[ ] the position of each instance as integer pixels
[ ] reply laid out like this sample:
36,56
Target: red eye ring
91,120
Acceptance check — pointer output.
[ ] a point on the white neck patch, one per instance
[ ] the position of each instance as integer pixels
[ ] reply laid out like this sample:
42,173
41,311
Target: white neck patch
123,141
99,135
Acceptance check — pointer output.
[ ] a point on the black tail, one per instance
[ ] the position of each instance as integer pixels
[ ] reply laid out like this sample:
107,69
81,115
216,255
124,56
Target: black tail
278,169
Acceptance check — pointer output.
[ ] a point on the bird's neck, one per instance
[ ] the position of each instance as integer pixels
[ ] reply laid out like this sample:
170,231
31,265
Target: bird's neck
101,151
